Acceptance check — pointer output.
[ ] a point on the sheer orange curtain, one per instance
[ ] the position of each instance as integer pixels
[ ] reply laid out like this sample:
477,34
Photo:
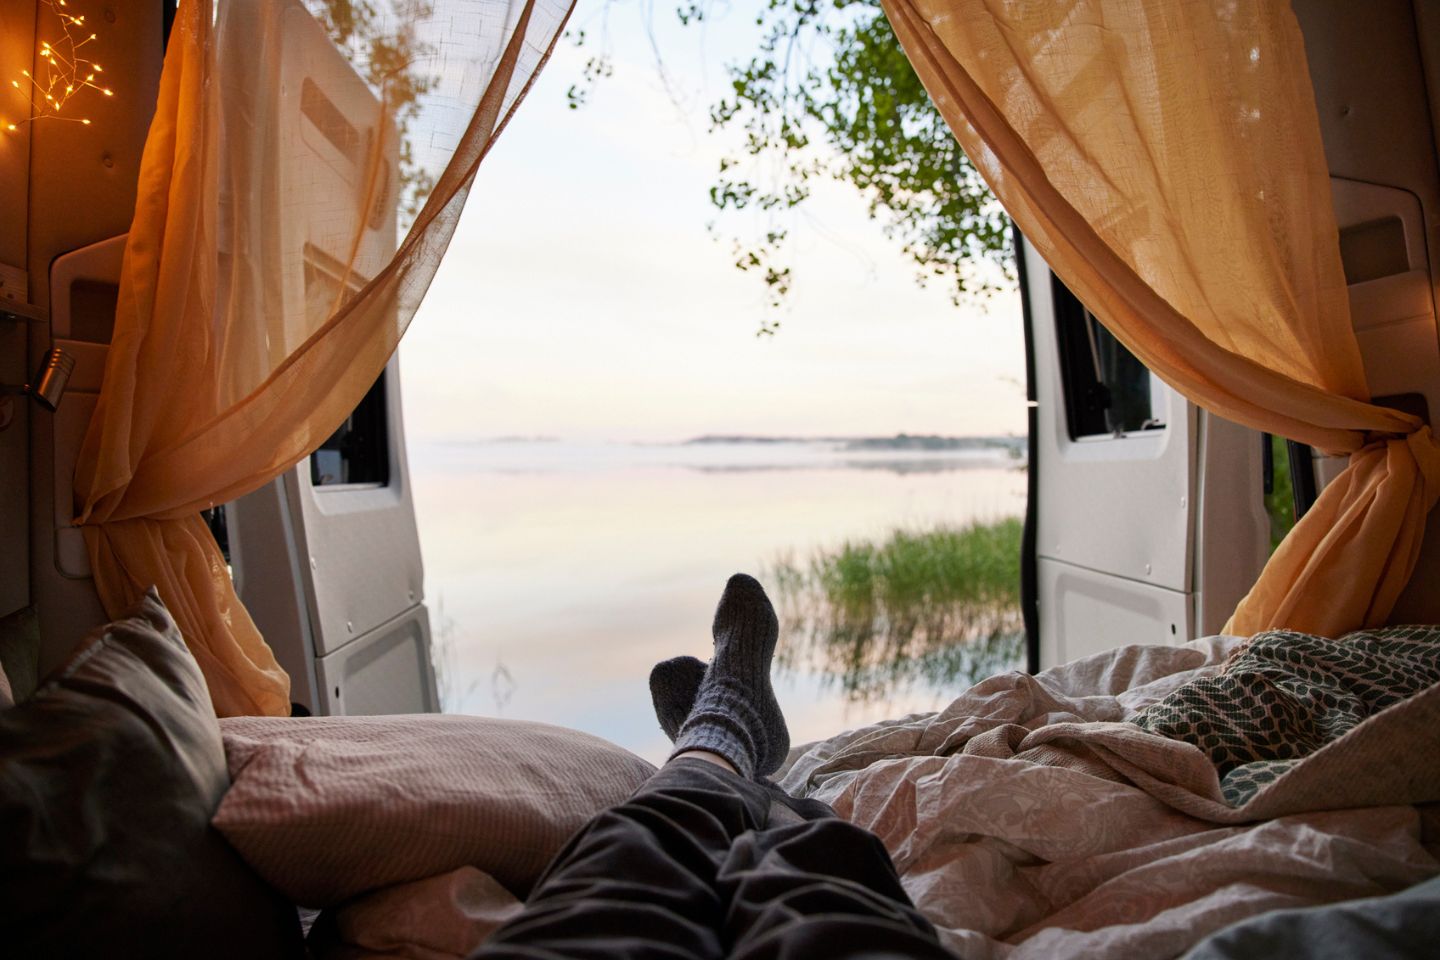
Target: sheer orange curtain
1164,157
263,290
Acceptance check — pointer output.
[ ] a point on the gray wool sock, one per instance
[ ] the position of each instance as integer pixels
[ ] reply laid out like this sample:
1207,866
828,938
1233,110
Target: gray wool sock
736,714
673,686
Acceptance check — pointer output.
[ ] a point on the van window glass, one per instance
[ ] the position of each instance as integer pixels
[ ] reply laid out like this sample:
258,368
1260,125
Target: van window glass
215,519
1108,391
358,452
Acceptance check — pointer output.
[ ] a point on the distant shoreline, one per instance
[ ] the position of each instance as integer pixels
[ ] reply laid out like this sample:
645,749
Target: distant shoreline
900,441
740,454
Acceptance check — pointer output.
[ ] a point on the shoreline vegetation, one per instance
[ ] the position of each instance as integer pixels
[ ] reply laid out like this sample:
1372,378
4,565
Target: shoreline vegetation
937,608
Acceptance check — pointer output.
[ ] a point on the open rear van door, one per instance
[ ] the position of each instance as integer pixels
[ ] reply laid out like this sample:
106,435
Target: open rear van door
327,557
1147,515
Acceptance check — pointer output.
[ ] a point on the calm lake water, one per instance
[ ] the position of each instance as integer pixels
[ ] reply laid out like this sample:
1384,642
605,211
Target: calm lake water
557,574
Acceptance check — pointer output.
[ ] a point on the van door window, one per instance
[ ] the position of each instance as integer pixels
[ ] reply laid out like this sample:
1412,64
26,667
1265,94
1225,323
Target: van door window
358,452
1108,391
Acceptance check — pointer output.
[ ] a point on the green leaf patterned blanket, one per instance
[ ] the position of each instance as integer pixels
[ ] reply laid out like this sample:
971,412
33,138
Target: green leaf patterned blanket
1286,695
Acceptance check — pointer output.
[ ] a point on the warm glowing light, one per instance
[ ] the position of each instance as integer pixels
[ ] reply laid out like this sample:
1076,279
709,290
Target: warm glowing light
67,72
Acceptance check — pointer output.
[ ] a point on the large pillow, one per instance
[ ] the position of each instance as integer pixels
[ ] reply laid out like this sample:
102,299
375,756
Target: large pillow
329,807
109,775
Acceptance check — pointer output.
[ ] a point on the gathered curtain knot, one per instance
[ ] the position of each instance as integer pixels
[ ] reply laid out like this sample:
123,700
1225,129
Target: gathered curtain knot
1374,438
1425,448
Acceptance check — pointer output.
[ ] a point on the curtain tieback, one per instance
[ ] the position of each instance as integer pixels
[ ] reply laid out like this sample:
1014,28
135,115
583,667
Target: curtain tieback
1424,447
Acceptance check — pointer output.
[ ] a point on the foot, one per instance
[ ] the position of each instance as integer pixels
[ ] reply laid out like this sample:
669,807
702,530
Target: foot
736,714
673,686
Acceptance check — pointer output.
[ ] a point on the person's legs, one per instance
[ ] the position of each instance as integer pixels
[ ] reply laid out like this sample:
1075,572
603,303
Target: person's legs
687,866
822,888
640,880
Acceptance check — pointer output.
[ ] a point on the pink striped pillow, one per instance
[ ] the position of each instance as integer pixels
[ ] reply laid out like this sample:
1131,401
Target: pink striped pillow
325,808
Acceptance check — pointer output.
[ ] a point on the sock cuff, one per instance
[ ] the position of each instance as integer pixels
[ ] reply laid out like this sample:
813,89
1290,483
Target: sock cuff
725,721
722,736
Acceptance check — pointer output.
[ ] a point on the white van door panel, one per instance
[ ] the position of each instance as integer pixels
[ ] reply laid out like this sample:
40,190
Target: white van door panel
1089,612
1149,513
386,671
343,601
330,571
362,554
1114,512
332,574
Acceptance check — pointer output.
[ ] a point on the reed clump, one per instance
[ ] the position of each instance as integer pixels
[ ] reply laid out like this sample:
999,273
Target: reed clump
937,607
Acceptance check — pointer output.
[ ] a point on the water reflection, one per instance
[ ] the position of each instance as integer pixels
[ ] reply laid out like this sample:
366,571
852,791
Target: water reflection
936,609
567,571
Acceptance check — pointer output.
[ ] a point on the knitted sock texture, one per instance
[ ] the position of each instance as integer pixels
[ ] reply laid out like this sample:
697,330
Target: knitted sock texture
674,684
736,714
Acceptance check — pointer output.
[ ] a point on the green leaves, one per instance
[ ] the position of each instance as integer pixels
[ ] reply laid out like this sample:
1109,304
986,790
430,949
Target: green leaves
597,68
830,95
834,75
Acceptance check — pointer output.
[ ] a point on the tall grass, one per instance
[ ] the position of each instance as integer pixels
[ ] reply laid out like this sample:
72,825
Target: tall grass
938,607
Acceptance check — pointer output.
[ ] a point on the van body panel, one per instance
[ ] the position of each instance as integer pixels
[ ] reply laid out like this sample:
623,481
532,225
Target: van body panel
1233,539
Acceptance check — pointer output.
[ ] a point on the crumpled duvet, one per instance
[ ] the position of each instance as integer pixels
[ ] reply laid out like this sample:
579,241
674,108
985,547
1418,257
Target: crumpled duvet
1031,819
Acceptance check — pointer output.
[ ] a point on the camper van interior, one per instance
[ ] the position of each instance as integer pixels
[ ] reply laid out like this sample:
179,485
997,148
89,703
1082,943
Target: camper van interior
220,217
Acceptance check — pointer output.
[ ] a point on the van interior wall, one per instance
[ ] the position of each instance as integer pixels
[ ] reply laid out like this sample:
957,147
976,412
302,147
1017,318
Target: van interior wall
1375,67
17,45
81,182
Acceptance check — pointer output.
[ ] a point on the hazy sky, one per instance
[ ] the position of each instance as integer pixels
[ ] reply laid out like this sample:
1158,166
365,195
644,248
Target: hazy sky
583,298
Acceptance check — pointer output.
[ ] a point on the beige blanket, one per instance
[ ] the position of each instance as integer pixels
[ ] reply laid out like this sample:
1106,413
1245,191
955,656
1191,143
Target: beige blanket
1028,820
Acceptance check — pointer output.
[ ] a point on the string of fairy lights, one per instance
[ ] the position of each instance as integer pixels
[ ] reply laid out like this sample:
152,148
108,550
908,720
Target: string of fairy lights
67,72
